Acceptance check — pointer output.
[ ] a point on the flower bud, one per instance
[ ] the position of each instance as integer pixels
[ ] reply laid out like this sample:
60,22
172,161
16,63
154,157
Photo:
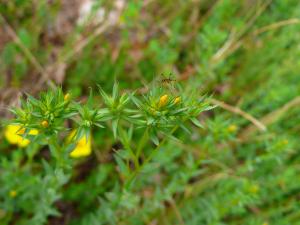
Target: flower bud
45,123
163,100
67,97
177,100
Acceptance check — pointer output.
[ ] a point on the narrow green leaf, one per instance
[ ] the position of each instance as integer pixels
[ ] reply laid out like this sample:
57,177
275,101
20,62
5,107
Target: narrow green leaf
115,127
196,122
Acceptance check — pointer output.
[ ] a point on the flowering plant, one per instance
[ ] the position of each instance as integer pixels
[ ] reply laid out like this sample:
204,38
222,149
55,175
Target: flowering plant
57,122
156,113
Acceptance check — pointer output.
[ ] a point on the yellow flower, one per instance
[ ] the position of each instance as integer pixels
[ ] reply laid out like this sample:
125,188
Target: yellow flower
83,146
177,100
163,100
13,134
45,123
12,194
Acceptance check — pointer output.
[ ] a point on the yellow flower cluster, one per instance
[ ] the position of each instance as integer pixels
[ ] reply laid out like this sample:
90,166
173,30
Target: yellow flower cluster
164,100
13,134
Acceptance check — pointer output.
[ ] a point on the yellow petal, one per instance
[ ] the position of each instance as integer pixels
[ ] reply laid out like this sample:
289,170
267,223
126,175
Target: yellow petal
82,148
80,151
23,142
33,132
10,134
13,134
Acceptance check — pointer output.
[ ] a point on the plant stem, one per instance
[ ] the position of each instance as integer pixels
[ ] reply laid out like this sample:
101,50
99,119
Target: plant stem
141,145
152,154
56,151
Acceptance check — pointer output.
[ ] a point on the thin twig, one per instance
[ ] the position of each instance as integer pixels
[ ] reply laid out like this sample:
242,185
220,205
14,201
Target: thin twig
78,48
86,41
11,32
275,26
201,21
240,112
271,117
261,30
234,37
177,212
82,44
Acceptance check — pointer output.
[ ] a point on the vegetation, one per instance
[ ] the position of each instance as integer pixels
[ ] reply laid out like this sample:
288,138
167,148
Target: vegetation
149,112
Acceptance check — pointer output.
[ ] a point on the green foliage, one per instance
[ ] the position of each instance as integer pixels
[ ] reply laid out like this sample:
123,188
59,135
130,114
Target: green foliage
154,160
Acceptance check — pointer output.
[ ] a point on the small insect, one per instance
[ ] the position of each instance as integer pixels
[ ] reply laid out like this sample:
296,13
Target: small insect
167,80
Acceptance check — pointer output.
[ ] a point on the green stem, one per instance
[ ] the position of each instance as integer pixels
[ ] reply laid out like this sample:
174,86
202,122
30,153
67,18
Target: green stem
126,144
141,145
57,153
152,154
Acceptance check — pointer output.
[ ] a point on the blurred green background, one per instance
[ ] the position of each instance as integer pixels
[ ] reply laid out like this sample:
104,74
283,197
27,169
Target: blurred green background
245,53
